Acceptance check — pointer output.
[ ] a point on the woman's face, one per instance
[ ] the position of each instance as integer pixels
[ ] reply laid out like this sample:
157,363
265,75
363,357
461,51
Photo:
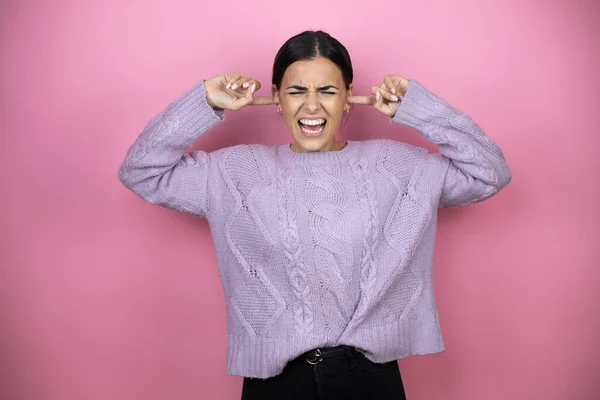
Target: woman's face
312,98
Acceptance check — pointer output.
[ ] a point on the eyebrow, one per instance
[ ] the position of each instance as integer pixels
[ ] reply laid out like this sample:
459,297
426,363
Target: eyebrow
297,87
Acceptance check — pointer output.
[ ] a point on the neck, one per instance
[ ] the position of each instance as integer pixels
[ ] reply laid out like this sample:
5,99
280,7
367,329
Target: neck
332,146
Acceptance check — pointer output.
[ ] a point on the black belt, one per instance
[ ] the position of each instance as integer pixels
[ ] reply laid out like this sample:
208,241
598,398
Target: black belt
315,356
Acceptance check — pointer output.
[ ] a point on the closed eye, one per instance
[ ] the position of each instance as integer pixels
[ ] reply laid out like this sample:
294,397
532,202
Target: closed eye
323,89
305,92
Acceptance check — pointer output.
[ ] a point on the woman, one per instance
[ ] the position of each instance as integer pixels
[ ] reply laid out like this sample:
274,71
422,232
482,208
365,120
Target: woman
324,247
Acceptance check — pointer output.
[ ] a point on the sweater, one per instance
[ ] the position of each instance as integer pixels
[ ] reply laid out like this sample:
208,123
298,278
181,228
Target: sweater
323,248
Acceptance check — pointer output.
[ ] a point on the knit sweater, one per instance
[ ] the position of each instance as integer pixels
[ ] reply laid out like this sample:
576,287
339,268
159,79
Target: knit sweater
323,248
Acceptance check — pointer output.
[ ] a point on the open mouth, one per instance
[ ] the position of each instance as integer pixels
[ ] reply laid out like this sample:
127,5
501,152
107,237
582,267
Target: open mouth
312,127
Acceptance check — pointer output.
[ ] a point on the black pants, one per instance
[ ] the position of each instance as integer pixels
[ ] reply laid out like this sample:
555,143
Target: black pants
337,373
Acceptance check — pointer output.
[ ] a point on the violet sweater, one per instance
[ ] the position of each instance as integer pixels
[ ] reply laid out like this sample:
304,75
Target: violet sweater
326,248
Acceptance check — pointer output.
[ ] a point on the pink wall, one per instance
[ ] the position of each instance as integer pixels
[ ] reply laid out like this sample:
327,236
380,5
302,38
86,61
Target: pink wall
105,297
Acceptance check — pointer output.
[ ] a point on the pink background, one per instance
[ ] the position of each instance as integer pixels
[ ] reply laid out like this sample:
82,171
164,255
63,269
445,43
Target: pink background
105,297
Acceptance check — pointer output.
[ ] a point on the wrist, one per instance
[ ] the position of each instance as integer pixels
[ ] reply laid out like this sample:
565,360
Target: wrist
404,87
207,98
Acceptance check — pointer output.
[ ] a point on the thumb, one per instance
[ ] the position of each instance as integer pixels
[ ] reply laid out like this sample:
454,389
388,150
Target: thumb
249,95
246,99
378,103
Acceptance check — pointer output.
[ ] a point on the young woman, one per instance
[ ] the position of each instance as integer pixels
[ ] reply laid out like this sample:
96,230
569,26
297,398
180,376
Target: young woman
324,247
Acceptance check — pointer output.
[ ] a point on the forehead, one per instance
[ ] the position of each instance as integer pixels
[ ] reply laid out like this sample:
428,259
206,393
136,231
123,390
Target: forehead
318,72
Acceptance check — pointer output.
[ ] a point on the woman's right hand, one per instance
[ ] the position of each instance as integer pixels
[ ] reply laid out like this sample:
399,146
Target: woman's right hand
234,91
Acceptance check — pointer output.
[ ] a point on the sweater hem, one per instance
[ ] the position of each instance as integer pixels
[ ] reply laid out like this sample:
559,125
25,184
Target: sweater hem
265,357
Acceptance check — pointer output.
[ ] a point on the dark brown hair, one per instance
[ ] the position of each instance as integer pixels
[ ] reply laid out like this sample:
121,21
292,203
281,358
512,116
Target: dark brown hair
309,45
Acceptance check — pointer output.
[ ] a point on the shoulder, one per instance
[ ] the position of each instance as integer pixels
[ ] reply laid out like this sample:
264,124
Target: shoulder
381,149
243,149
245,160
398,160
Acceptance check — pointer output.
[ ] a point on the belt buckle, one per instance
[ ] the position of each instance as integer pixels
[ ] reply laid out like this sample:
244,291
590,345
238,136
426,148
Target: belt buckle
317,358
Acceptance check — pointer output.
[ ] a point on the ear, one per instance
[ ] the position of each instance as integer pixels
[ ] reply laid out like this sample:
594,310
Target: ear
349,94
275,92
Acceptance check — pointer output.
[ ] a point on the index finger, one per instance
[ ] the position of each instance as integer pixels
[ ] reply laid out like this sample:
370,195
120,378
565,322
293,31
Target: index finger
366,100
262,101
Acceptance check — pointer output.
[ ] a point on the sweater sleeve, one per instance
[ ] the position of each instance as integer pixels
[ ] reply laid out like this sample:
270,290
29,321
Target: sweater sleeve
475,165
156,167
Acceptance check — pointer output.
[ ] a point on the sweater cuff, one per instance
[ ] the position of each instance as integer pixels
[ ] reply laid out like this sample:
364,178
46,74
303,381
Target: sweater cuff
420,108
197,116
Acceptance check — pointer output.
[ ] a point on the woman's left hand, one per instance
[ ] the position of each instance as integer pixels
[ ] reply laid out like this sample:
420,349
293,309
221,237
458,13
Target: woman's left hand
386,97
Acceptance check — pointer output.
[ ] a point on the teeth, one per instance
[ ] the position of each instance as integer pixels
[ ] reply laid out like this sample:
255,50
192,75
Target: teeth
312,131
312,121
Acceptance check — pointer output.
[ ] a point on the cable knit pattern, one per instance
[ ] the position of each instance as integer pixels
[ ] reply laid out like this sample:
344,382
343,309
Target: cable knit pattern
367,198
328,219
326,248
403,226
250,241
303,315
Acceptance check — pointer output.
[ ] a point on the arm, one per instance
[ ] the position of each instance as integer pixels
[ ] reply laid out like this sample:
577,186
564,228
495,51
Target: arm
156,168
476,168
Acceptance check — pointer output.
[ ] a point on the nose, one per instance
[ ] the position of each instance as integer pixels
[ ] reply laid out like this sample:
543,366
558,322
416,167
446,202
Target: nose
312,103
